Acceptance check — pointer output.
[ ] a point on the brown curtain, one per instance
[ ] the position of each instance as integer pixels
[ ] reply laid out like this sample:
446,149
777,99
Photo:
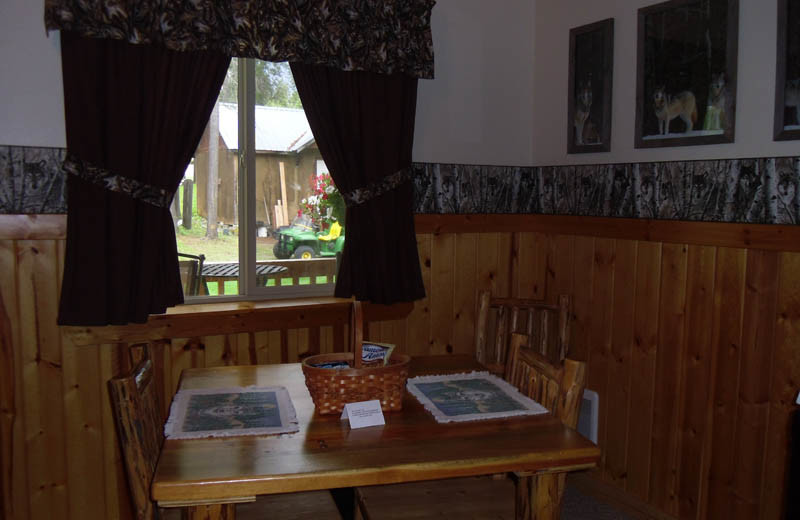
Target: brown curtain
363,123
134,116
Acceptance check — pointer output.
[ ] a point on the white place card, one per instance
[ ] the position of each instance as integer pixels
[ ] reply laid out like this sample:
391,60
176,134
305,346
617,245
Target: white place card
363,414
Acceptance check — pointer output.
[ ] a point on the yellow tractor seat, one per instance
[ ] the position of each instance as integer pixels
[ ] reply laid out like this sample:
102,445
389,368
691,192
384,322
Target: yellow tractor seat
333,234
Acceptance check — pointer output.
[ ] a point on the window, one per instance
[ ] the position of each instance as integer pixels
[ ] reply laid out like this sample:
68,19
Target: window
257,214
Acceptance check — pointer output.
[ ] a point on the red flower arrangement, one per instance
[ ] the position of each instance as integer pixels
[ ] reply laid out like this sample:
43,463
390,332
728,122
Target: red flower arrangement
325,204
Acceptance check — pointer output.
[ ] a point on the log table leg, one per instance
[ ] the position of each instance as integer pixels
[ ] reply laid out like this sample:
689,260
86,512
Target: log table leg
211,512
347,502
538,497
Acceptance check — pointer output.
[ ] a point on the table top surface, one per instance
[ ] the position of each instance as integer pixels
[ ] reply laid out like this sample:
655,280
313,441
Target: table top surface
327,454
231,269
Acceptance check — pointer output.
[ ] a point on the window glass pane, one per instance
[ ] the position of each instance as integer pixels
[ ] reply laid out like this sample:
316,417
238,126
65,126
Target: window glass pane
299,227
206,207
296,221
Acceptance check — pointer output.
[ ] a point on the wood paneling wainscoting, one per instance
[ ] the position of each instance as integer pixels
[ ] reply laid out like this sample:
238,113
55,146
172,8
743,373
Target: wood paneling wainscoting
691,332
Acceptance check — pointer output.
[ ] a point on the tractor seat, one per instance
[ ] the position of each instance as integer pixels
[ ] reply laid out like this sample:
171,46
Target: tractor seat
333,234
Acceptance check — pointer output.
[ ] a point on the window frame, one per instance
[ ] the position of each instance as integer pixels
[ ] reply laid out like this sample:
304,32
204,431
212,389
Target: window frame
248,290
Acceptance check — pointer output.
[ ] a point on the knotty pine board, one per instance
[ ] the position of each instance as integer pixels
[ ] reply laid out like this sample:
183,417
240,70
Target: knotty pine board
643,369
719,454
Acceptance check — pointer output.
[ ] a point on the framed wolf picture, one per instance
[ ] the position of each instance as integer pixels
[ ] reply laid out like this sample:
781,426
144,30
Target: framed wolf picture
787,74
591,64
686,73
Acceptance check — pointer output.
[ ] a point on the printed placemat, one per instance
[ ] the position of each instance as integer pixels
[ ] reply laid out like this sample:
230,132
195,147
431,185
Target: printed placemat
471,397
226,412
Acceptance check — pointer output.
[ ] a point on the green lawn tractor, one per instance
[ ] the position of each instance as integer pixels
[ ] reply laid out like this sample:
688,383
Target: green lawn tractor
301,240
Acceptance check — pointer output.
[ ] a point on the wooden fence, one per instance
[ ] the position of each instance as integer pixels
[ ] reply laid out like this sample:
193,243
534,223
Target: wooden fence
317,270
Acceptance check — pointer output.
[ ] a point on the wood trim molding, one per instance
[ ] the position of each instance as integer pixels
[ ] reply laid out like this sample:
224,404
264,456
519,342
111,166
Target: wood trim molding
33,227
752,236
208,319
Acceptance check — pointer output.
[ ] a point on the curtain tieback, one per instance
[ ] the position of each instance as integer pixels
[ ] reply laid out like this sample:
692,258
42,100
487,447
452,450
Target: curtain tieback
112,182
375,189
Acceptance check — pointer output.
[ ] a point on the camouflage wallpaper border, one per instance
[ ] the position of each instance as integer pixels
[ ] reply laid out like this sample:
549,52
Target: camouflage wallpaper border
760,191
31,180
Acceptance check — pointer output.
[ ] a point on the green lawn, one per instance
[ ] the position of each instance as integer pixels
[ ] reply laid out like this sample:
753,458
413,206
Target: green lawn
233,287
225,248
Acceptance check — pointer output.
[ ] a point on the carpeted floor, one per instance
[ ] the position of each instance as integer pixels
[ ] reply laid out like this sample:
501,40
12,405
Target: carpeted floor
471,498
578,506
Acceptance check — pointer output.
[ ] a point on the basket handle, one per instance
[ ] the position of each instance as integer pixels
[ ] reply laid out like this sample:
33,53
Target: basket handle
357,333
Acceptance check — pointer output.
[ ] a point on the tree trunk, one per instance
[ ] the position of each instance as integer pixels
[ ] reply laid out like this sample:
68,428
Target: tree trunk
213,173
188,190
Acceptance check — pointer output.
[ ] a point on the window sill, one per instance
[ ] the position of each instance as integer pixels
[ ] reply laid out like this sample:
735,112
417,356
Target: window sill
209,319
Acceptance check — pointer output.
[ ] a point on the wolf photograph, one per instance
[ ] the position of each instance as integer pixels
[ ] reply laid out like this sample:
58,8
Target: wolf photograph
686,86
787,80
589,112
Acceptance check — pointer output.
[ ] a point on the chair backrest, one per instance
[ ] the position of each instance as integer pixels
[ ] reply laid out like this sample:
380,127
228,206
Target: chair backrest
190,270
546,325
557,387
140,428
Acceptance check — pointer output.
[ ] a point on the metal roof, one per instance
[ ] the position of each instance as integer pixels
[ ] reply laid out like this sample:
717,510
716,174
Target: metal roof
278,129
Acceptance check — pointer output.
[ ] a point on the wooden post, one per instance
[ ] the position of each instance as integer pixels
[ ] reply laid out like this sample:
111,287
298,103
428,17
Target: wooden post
480,333
563,326
283,193
213,173
538,497
266,191
212,512
188,189
278,215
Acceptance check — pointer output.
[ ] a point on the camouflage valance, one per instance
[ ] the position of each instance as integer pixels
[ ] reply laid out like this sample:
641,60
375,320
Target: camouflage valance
383,36
385,185
111,181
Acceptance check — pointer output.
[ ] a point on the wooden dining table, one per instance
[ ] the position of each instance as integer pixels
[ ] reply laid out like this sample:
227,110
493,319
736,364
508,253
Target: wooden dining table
204,475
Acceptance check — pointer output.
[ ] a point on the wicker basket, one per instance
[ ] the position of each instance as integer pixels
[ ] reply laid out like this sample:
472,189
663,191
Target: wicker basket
332,388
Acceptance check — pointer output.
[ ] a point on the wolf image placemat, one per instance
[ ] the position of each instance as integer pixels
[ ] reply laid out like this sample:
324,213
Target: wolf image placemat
471,397
231,411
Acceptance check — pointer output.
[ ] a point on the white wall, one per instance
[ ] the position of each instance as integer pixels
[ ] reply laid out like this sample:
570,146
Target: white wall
755,97
478,108
499,96
31,95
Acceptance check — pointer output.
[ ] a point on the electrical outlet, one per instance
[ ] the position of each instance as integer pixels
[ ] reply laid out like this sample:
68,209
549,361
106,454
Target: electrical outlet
587,419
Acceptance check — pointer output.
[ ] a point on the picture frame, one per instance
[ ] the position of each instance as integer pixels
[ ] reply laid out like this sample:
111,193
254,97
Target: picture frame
787,73
686,73
591,67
